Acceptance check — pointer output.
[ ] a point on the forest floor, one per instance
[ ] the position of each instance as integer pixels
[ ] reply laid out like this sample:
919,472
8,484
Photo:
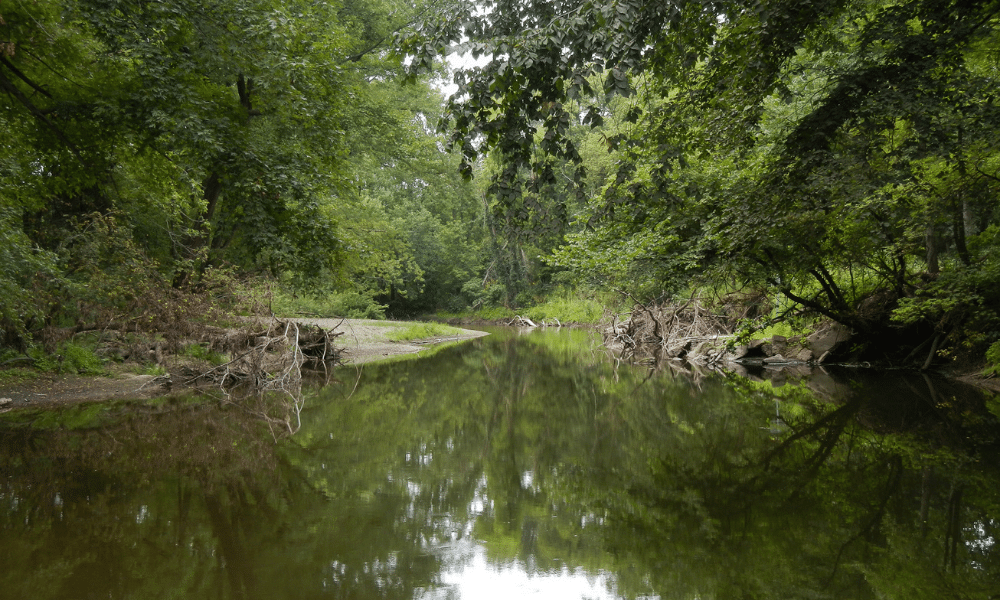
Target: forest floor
362,341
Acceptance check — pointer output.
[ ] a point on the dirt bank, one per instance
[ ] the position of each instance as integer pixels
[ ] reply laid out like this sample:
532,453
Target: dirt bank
363,341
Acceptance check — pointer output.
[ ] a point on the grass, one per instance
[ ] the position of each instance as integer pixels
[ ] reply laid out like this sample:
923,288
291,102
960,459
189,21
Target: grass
419,331
150,369
18,375
566,307
783,329
68,358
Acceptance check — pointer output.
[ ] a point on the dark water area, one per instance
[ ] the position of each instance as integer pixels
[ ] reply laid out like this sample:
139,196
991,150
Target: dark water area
515,466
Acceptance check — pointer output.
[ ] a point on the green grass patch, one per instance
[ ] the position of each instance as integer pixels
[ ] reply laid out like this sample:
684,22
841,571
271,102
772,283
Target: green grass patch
154,370
496,313
18,375
201,352
565,306
419,331
567,309
782,329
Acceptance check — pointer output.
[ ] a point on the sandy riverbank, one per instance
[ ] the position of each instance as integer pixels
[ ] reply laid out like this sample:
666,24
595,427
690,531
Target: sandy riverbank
363,341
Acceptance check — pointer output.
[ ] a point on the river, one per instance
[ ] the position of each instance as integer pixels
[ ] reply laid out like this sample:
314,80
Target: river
519,465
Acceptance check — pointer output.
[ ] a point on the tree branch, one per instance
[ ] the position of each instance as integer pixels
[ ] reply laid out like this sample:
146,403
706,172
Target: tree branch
8,86
23,77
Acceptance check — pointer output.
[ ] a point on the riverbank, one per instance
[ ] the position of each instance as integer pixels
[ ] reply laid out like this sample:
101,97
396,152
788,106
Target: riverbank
362,341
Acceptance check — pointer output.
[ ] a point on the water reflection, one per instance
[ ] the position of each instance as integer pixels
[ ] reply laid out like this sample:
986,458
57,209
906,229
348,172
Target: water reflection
467,572
523,466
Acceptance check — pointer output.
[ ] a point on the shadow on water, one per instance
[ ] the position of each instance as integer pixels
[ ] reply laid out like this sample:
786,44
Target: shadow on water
527,465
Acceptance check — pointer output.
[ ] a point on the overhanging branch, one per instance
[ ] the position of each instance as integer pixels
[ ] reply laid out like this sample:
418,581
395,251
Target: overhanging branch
8,86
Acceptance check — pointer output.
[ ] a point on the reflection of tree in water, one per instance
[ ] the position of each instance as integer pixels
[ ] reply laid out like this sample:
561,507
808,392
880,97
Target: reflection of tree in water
544,454
188,501
90,492
687,488
816,513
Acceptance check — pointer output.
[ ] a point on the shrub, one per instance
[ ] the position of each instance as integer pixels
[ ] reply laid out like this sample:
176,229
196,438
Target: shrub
353,305
992,359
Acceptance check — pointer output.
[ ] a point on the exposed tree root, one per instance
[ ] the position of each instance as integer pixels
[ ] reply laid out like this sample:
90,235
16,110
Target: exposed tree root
267,363
671,330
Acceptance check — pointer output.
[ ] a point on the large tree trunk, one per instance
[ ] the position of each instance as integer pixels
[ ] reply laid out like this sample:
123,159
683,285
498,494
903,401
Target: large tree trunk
932,251
195,247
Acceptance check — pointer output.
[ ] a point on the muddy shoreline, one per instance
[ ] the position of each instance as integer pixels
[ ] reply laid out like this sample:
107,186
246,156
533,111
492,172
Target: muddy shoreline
362,341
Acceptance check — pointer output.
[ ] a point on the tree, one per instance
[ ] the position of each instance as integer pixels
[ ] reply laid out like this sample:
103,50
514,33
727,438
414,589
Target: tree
214,134
834,154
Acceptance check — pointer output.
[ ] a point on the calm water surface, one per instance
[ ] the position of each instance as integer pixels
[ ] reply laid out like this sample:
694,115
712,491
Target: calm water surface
515,466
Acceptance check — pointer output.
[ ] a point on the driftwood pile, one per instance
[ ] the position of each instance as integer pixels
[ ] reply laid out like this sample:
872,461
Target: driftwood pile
657,331
270,358
519,321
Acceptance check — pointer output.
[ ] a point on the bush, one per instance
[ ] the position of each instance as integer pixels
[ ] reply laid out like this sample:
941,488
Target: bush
567,308
203,353
992,359
68,358
26,273
353,305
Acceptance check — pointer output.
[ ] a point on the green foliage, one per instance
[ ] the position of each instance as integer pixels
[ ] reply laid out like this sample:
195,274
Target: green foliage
783,329
81,360
202,352
840,154
350,304
414,225
422,331
154,370
993,359
9,376
147,146
24,272
496,313
68,358
567,305
567,308
961,293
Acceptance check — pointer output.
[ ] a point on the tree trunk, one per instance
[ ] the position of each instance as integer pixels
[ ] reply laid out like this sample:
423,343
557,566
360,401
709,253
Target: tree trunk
932,251
195,247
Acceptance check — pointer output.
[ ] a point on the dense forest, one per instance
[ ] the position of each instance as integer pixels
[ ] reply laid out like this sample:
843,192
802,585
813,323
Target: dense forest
161,155
819,159
835,160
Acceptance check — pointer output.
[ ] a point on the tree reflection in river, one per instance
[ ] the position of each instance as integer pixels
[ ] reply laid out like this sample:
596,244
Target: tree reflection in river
525,460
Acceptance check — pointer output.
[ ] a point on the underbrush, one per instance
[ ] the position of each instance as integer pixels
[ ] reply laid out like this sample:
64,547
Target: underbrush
66,358
203,352
565,306
352,305
992,360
